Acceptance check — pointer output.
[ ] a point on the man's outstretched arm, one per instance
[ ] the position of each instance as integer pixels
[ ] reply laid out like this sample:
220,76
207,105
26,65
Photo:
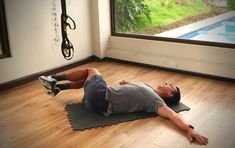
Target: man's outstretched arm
168,113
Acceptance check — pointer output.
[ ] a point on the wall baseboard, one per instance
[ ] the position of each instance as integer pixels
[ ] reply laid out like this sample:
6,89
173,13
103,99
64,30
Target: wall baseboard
29,78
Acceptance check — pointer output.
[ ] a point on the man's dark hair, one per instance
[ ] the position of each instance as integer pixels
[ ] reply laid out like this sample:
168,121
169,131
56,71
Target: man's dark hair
174,99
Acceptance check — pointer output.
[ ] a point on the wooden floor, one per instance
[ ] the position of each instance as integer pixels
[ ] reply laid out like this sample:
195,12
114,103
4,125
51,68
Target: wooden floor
30,118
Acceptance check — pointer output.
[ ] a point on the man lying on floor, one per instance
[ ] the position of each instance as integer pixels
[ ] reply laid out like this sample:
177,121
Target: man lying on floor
125,98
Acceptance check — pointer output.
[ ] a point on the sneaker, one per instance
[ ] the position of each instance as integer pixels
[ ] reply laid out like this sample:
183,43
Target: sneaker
46,90
53,91
47,81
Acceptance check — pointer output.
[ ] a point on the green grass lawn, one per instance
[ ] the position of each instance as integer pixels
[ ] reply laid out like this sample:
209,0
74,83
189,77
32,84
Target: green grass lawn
164,12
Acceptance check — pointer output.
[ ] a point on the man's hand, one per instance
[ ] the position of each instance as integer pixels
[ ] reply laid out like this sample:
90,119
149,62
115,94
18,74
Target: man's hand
123,82
167,112
193,135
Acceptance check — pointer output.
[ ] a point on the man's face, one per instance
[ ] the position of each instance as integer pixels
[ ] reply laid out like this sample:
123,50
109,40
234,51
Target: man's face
165,90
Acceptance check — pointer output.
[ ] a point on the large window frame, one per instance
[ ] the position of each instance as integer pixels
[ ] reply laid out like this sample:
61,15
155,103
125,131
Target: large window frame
156,38
3,33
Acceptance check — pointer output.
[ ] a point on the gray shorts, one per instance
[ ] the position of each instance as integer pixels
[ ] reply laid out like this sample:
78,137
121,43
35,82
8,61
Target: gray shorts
94,94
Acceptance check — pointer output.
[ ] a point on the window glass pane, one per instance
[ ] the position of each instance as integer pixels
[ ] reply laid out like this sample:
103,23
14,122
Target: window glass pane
200,20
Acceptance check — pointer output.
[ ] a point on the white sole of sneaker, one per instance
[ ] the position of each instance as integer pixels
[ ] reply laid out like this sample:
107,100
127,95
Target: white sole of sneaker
44,83
48,91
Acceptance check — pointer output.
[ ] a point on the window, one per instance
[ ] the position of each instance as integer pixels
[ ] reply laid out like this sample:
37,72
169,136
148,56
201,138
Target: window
4,46
204,22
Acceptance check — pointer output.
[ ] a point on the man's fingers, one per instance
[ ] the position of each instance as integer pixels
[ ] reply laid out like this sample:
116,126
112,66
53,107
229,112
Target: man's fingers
199,139
190,137
202,140
205,140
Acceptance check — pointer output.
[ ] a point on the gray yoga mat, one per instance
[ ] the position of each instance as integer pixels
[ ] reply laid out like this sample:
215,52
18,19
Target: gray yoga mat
82,119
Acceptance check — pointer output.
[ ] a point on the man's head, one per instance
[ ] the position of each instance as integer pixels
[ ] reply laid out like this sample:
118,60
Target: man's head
169,93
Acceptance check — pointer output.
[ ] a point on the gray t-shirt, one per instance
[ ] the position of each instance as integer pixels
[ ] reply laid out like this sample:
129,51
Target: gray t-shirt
132,98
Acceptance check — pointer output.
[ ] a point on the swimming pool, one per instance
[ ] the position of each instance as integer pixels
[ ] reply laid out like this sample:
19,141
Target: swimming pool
223,31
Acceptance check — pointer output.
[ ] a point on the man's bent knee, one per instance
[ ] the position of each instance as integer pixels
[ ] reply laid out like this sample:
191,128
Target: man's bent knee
92,72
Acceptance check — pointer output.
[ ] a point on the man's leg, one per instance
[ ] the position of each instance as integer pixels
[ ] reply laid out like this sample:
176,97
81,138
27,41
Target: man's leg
76,75
77,78
92,72
71,85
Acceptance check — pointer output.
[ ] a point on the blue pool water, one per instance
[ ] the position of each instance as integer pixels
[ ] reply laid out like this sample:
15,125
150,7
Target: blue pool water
223,31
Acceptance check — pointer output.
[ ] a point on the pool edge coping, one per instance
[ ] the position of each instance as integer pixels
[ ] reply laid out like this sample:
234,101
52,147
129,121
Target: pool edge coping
177,32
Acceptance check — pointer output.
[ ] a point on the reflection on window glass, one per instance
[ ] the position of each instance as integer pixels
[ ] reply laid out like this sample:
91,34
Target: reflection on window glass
204,20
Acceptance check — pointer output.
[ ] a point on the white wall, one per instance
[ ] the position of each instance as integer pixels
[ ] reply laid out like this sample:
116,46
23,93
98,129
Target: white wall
101,26
31,32
33,50
195,58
